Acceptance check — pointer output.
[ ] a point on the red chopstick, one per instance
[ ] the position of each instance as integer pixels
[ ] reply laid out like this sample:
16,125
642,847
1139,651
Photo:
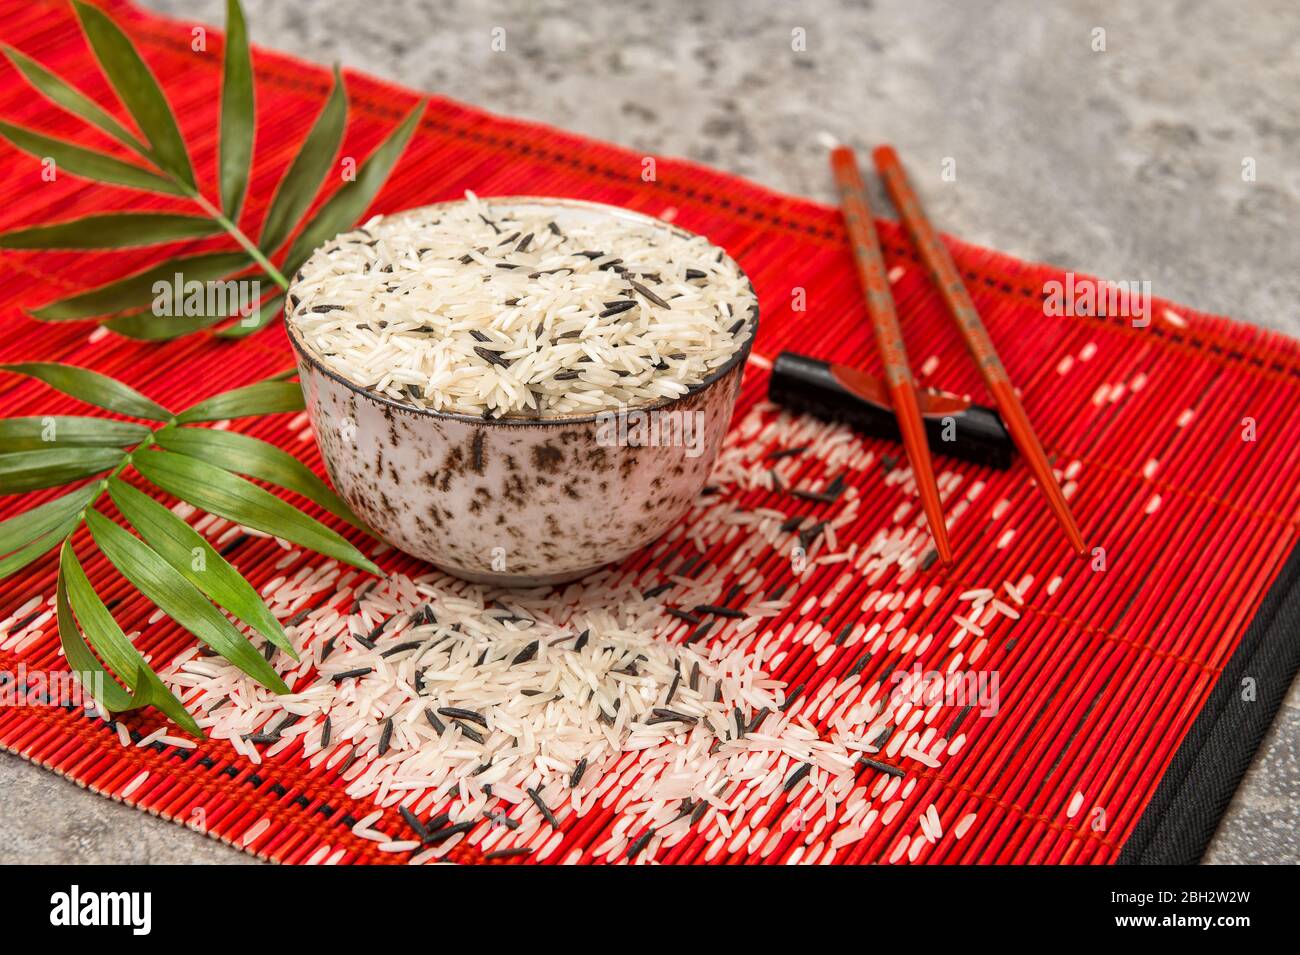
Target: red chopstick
889,338
948,279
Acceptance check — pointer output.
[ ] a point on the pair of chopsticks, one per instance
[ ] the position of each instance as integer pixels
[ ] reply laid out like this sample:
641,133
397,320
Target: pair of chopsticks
889,337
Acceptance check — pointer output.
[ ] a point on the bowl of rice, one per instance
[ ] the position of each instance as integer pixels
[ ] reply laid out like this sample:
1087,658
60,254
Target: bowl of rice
520,390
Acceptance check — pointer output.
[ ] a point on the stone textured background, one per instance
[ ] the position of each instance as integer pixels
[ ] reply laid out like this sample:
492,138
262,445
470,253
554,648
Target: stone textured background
1125,164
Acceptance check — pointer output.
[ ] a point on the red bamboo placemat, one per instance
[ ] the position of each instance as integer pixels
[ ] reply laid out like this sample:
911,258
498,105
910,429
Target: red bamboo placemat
1104,674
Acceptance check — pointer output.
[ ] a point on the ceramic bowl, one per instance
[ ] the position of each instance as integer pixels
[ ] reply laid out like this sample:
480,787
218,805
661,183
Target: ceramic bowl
520,501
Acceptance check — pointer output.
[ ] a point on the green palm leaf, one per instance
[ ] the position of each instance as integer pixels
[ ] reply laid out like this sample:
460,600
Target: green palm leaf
137,291
72,99
138,90
345,206
189,552
220,492
90,673
26,434
92,388
112,645
300,182
237,112
264,397
253,458
116,230
37,548
148,327
33,470
24,528
87,163
175,596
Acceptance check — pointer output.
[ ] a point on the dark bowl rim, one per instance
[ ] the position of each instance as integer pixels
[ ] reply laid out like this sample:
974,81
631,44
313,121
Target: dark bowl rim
741,354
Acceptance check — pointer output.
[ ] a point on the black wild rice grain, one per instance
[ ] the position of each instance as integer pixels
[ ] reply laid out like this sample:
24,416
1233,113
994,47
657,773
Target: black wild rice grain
720,611
289,720
960,718
791,697
844,634
880,741
413,821
797,775
688,565
740,722
470,732
347,763
786,452
491,356
268,651
438,726
649,294
656,591
299,617
523,656
683,615
523,243
736,327
928,560
860,665
810,534
262,738
616,307
554,228
882,767
326,729
386,737
701,631
322,309
821,497
692,274
565,375
349,674
582,640
400,648
448,831
513,852
757,721
698,812
460,713
577,773
695,675
437,822
793,524
673,715
640,843
672,689
543,808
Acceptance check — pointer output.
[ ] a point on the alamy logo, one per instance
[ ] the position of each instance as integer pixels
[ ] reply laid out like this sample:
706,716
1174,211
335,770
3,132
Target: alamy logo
1088,297
75,908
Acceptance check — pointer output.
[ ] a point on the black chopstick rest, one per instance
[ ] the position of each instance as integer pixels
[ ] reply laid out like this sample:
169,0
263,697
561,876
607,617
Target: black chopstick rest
844,395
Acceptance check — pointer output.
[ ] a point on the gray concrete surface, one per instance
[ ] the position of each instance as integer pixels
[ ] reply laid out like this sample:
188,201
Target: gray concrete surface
1125,163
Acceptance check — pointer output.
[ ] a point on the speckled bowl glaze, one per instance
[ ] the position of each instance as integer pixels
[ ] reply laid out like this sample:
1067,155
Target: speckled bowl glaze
516,501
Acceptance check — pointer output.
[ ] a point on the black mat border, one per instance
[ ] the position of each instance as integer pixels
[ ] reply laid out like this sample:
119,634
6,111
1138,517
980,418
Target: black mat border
1208,767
